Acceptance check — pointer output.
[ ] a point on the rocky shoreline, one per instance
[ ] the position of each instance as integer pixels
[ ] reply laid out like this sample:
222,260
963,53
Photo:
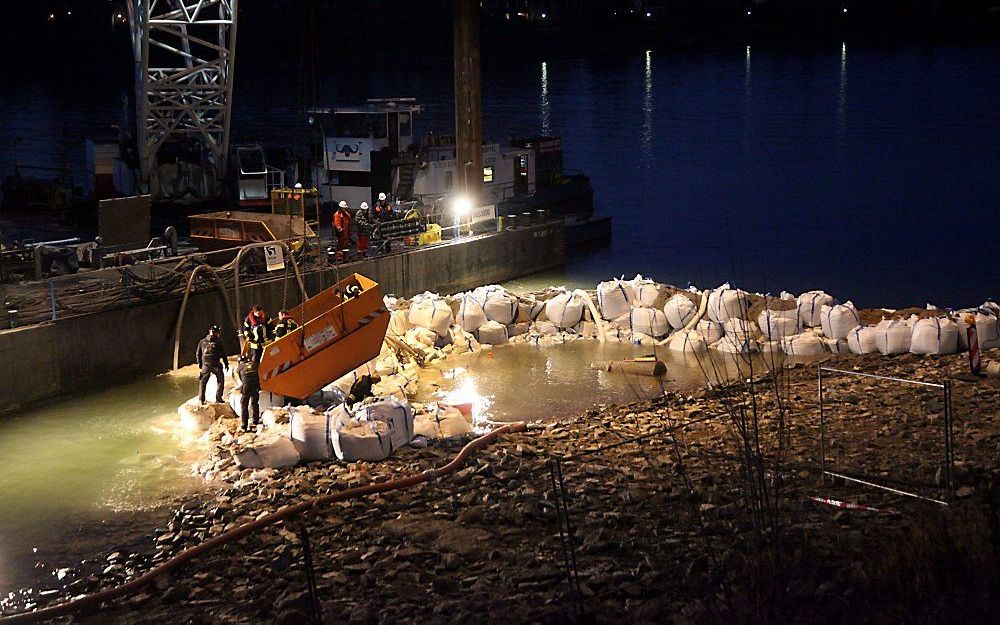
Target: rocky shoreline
659,523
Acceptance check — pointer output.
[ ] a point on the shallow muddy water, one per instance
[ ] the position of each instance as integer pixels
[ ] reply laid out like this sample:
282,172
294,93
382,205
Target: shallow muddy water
78,474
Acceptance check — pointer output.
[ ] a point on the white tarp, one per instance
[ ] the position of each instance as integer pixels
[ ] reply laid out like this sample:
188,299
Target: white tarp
934,336
649,321
614,298
726,302
810,305
679,310
838,320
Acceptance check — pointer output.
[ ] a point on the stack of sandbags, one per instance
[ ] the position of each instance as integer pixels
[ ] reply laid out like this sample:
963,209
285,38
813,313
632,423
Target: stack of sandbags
198,418
431,312
725,303
838,320
934,336
777,324
810,307
614,298
710,330
470,315
276,419
739,330
648,321
373,432
861,340
442,422
529,309
310,433
688,341
399,322
492,333
680,310
892,337
646,292
805,344
270,451
463,342
735,344
498,305
565,310
987,329
265,399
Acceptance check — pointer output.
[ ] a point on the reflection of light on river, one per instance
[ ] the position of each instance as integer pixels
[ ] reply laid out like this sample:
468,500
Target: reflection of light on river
842,94
467,393
546,105
647,107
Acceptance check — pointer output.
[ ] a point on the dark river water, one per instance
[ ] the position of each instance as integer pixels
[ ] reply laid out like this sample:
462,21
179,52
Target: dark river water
871,172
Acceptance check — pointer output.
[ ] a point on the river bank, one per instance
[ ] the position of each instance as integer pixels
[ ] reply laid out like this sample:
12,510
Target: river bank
659,523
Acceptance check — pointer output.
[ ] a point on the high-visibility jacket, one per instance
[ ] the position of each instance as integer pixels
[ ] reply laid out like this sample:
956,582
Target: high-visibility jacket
256,333
284,326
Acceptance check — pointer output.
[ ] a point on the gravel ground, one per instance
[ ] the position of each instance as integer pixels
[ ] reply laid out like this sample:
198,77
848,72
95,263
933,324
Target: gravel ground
660,525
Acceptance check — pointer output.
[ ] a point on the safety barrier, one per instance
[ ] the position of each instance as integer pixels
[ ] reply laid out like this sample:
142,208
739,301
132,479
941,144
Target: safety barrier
891,484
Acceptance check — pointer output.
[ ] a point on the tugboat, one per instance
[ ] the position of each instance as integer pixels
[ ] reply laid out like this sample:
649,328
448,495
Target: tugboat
371,148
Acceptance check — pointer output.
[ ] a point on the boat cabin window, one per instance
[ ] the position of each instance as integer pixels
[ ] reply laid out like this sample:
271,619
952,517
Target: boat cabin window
449,179
488,173
405,125
360,125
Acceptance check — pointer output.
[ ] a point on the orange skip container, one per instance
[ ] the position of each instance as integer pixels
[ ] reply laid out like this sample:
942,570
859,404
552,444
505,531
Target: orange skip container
334,337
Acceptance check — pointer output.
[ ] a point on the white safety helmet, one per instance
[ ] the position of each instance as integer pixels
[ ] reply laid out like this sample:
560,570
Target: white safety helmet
381,197
298,185
342,204
364,206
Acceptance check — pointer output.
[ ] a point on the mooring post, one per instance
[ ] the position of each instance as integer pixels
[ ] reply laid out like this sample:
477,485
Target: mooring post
52,296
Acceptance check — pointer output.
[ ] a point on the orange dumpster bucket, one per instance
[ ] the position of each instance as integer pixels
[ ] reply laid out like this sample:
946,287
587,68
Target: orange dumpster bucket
339,330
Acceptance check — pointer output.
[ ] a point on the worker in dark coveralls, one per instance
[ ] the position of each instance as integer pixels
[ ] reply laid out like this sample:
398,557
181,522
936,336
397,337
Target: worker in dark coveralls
212,360
249,393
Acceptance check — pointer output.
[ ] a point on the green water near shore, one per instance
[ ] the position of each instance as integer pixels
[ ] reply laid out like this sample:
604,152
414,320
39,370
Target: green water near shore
77,475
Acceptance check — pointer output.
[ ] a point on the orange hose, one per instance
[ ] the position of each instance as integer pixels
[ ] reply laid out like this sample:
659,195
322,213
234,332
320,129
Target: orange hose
239,532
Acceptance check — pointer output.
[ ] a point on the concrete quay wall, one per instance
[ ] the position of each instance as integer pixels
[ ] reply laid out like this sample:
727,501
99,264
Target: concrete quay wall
88,352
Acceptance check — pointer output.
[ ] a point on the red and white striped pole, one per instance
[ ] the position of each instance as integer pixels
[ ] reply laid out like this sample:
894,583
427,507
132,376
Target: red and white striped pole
975,358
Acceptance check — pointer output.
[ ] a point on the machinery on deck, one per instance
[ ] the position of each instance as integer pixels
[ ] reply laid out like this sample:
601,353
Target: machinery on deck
339,330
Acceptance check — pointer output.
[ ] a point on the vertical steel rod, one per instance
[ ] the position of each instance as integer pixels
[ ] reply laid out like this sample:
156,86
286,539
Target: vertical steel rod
52,296
822,425
949,443
315,607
